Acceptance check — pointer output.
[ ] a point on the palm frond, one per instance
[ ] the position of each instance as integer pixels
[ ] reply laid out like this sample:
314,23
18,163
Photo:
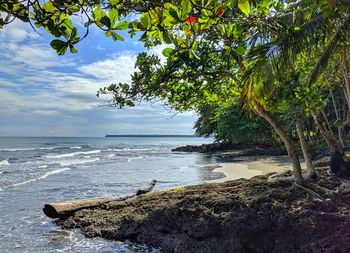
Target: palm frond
339,40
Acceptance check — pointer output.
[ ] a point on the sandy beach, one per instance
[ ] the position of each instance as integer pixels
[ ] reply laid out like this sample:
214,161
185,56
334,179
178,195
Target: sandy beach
253,166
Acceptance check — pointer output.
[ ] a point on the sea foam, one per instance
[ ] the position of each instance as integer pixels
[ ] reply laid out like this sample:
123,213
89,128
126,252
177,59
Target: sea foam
45,175
57,156
135,158
28,149
75,162
4,163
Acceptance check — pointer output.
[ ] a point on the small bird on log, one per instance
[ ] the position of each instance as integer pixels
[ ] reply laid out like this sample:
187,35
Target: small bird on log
146,190
66,208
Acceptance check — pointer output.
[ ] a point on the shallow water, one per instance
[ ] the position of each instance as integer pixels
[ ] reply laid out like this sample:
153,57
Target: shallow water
35,171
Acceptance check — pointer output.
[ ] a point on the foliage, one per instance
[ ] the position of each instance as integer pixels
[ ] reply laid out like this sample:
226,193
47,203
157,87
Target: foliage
230,124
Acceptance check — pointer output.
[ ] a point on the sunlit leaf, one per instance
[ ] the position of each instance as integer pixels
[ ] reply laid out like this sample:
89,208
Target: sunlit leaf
168,51
244,6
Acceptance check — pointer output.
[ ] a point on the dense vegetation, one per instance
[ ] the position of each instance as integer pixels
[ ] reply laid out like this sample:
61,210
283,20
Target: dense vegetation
230,124
286,62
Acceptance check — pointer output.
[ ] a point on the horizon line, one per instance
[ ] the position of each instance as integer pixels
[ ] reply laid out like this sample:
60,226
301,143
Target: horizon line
103,136
150,135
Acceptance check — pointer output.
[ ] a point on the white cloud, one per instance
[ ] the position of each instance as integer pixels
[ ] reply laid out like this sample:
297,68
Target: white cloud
7,83
158,50
117,69
54,90
29,57
53,95
38,103
17,31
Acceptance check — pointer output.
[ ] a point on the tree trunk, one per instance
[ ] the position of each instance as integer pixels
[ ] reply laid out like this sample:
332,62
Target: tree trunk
332,144
327,124
306,150
309,129
345,67
287,142
337,165
339,127
64,209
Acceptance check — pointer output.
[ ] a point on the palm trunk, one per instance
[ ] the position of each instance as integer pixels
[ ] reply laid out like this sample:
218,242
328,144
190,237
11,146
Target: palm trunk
287,142
306,150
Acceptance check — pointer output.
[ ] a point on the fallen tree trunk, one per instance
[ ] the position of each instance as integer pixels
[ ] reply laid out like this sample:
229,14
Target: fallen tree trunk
66,208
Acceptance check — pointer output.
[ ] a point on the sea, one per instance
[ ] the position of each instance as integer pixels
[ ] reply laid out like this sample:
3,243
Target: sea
35,171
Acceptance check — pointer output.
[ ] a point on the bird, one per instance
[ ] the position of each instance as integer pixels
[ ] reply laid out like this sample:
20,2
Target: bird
146,190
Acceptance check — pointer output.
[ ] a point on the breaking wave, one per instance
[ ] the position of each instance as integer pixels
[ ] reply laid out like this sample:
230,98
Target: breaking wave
49,173
56,156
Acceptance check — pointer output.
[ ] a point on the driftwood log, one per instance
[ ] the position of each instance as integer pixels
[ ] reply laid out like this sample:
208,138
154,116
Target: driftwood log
66,208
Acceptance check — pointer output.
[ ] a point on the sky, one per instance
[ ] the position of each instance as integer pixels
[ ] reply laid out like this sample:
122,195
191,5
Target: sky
43,94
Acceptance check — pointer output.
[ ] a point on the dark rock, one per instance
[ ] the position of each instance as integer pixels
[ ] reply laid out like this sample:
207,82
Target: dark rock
340,165
241,150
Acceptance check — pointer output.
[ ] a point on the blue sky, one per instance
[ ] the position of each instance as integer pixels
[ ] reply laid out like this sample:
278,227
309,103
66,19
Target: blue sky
43,94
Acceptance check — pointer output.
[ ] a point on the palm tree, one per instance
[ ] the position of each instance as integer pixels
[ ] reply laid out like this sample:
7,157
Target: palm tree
305,27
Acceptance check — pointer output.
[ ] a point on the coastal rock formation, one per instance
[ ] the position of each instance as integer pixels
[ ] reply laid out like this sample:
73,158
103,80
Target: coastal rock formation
237,216
241,150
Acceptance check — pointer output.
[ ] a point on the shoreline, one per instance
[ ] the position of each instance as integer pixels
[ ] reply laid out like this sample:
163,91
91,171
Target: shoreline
242,215
243,211
253,166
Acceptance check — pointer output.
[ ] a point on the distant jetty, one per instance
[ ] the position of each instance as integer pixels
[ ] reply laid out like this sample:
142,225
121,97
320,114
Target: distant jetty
152,135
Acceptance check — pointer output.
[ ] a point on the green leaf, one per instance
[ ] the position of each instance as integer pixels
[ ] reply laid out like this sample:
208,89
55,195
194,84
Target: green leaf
51,28
144,37
168,51
48,7
59,46
186,6
265,3
165,37
174,15
170,6
168,20
73,50
244,6
122,25
195,54
116,36
145,20
113,16
240,50
227,50
108,33
97,14
74,33
106,21
111,87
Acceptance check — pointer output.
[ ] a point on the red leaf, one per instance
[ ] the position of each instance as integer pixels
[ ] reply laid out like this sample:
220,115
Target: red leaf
219,11
190,19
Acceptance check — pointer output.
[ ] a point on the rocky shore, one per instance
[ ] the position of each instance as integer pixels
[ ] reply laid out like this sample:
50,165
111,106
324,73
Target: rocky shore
252,215
240,150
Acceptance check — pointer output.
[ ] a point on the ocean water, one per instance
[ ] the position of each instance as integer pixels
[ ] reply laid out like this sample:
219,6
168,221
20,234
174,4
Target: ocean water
35,171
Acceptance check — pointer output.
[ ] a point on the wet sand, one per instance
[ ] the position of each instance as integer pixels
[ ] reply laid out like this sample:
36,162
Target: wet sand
253,166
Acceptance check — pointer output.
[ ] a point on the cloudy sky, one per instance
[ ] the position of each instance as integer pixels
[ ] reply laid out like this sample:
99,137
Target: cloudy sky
42,94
